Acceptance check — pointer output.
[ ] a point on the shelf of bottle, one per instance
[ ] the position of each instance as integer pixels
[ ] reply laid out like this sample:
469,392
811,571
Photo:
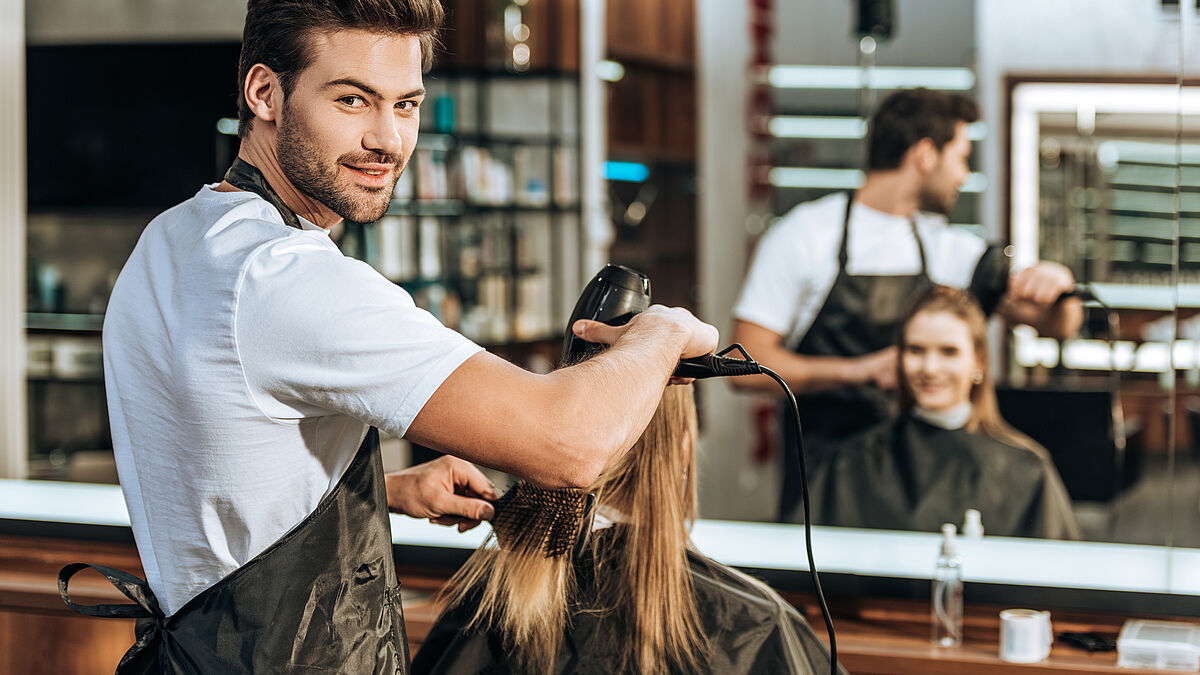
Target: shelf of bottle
432,140
499,73
56,379
1142,213
453,279
458,207
53,321
1142,238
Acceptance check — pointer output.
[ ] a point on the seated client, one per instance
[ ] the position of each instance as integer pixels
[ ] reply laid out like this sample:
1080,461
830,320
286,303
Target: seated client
949,450
634,596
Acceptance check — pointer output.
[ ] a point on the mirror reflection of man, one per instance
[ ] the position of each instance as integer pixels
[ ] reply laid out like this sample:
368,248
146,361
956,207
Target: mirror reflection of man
248,363
830,282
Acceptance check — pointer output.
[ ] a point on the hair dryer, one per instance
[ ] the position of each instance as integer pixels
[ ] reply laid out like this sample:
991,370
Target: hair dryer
613,297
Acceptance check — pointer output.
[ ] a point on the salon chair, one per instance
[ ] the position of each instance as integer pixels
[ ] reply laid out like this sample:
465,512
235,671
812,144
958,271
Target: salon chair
1079,429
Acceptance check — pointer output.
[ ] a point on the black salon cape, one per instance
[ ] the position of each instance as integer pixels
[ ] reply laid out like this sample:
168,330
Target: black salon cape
910,475
743,627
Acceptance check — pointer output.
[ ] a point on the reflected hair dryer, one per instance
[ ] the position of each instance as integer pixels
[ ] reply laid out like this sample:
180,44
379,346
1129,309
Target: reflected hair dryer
614,296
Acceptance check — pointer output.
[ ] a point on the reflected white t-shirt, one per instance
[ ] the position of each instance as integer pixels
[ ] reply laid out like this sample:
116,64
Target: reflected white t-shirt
244,360
796,261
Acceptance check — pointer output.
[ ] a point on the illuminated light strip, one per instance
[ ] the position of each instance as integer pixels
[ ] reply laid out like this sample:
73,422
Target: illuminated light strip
1079,354
228,126
610,71
632,172
848,179
1139,151
852,77
806,126
874,553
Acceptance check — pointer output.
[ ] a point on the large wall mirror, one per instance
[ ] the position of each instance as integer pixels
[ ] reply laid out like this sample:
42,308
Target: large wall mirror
1088,154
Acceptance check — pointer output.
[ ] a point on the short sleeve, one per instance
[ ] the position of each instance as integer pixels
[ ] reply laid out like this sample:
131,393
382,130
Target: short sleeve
776,282
320,333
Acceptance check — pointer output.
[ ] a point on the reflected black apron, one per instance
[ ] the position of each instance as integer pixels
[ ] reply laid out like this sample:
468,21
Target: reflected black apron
861,315
324,598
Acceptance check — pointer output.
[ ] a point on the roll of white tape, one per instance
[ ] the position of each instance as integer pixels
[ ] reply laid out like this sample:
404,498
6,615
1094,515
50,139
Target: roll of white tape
1025,635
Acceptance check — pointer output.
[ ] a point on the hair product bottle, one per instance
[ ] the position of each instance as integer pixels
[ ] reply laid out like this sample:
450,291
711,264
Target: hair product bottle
948,592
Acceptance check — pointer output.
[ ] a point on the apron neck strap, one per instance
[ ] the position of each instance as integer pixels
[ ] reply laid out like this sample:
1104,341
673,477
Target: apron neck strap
245,176
843,250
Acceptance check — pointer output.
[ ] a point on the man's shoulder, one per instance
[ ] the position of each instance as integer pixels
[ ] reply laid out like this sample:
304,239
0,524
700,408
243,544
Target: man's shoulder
214,211
936,225
814,220
206,221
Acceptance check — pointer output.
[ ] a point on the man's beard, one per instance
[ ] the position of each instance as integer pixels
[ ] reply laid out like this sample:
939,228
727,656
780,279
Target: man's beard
929,199
300,160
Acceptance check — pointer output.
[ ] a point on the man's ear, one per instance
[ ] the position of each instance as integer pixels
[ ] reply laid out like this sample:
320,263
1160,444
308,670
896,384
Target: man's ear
924,155
263,92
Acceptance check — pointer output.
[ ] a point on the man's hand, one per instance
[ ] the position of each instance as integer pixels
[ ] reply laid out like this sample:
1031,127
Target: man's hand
879,368
1033,299
701,338
447,491
1041,284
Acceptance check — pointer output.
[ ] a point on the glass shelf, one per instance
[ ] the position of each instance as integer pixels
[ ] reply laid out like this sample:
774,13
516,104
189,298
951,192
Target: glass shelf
458,207
82,323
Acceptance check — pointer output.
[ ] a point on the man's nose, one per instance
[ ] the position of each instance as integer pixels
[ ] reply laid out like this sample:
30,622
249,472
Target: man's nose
383,136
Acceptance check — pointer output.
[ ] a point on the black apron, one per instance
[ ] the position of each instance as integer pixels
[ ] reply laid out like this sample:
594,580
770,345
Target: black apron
324,598
861,315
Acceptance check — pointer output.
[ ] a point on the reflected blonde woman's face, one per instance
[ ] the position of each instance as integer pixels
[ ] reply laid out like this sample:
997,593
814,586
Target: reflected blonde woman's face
939,360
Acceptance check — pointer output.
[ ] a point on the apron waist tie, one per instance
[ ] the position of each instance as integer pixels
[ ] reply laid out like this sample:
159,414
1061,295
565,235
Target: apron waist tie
151,623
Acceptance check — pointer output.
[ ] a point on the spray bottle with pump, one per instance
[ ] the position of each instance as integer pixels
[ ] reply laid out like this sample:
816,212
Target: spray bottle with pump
948,592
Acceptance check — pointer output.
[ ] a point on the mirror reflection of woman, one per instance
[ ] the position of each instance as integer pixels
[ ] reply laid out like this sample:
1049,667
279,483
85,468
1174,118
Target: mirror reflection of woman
638,599
949,450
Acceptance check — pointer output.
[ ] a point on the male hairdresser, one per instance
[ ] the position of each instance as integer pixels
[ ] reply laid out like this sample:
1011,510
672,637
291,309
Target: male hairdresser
830,282
249,363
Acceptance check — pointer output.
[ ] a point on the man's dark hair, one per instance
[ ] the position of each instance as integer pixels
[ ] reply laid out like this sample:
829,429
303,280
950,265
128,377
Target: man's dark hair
278,34
907,116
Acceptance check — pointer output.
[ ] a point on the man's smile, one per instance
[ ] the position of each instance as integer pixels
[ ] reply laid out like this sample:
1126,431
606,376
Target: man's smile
374,175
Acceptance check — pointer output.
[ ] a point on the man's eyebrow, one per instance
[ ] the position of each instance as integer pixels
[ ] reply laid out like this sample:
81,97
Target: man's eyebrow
368,89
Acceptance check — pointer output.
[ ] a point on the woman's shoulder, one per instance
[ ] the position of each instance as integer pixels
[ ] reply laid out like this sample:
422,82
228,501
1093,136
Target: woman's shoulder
723,588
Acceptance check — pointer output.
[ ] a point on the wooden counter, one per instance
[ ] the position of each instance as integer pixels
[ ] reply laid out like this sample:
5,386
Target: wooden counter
38,634
892,637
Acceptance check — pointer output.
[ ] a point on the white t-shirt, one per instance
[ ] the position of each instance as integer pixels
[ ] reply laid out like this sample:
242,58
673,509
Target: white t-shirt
244,360
796,261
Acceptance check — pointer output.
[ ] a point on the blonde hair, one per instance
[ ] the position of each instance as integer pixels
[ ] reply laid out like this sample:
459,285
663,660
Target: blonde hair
642,575
985,412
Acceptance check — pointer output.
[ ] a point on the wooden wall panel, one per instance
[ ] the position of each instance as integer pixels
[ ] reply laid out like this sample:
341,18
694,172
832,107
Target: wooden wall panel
61,644
679,100
635,112
634,26
679,29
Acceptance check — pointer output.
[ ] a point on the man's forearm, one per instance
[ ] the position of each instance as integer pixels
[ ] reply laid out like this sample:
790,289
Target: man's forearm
564,428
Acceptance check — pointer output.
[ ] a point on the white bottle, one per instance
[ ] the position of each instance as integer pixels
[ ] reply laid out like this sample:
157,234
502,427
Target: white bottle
948,592
972,524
